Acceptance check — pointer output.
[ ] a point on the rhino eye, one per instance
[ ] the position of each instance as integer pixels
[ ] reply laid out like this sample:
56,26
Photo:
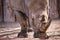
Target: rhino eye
39,17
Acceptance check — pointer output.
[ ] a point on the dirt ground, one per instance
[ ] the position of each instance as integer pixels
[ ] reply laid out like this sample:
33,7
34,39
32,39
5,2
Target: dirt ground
53,31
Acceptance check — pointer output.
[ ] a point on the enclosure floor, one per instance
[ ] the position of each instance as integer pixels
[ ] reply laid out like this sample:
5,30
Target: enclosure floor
51,38
54,30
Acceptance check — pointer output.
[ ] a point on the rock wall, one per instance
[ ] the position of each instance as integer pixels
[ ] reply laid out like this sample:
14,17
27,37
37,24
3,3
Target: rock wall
58,6
1,11
53,12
